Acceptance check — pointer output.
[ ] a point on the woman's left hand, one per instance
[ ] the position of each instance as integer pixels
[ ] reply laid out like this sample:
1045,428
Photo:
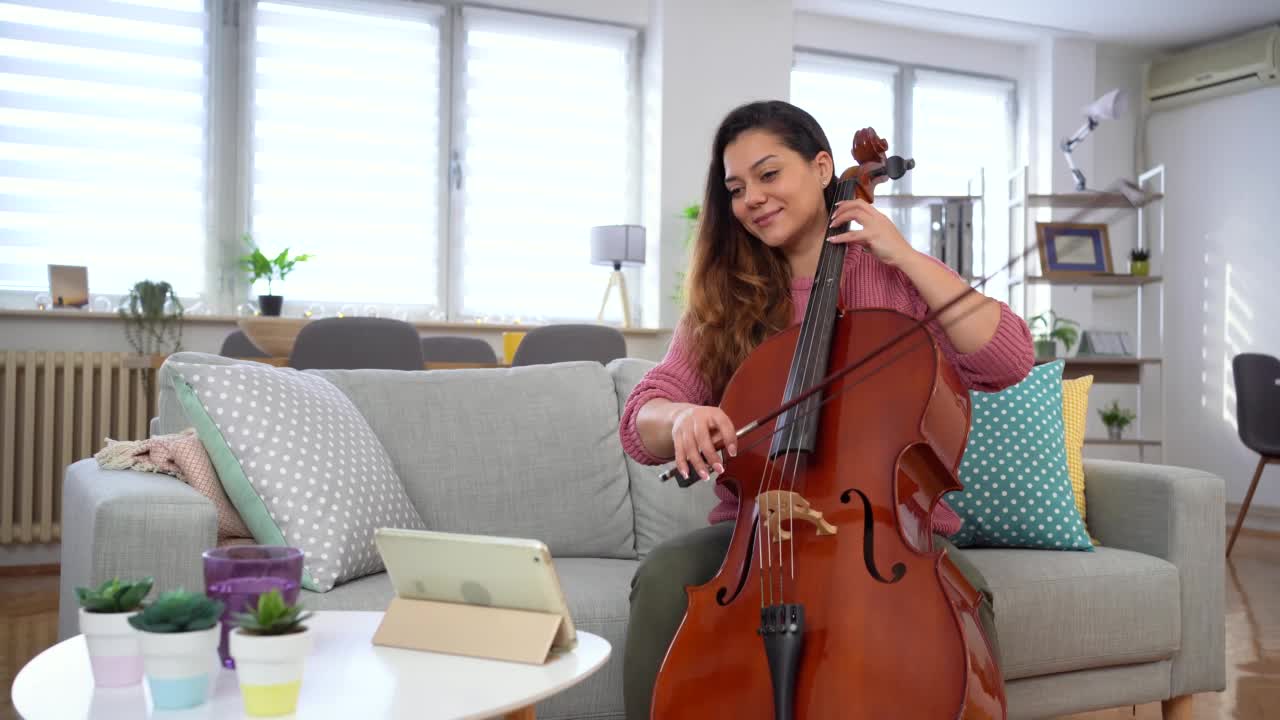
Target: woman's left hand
877,233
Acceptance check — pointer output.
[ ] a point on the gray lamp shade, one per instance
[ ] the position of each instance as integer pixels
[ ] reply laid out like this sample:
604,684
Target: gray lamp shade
617,245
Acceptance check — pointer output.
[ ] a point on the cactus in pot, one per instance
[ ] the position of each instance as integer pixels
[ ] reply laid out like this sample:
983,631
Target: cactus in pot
179,638
114,655
270,646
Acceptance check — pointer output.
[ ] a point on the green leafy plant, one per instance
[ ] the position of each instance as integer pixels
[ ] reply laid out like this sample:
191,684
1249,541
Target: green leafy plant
272,616
1115,416
1047,326
690,213
178,611
1139,254
115,595
259,266
148,326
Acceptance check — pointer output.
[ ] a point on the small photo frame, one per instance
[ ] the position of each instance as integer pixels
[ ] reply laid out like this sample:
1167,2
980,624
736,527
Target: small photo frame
1105,342
69,285
1073,249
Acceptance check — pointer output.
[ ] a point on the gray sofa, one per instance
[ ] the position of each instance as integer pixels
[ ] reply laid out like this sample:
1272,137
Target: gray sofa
534,452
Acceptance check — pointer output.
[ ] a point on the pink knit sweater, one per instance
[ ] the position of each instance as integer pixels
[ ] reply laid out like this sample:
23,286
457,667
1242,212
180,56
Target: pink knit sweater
865,283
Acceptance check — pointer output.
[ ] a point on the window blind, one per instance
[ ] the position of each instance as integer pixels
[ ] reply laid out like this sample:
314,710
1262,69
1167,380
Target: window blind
103,142
546,150
844,96
345,149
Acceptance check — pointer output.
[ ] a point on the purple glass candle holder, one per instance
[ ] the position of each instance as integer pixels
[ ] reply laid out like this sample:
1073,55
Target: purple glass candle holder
238,574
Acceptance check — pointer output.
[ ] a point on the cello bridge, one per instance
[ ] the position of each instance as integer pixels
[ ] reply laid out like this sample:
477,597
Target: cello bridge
779,505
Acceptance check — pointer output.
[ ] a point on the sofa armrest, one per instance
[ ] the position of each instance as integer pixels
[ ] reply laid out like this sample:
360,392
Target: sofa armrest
129,524
1178,514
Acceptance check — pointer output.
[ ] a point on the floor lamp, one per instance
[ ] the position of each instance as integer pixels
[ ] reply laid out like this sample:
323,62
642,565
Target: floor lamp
617,245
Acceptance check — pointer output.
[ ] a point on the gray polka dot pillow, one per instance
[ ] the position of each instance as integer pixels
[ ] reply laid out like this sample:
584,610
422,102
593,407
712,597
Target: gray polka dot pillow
299,462
1017,492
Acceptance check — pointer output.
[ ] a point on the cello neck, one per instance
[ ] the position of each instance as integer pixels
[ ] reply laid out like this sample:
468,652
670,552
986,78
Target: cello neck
809,363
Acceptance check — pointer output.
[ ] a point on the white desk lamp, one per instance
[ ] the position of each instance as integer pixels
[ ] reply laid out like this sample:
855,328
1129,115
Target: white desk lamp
1107,107
617,245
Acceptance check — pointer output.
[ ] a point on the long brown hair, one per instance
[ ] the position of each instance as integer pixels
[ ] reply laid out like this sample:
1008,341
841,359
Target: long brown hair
738,288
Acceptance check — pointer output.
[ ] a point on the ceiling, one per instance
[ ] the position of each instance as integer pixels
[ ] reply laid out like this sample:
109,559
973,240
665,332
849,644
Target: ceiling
1142,25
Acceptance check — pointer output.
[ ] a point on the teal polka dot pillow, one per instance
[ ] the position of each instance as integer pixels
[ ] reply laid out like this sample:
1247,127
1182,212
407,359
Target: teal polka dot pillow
1017,492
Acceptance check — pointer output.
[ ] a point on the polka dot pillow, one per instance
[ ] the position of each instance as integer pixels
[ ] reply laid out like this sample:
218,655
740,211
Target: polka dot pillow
299,462
1017,492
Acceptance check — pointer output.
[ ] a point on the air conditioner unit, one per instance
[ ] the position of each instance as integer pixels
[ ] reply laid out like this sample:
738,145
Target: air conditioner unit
1222,68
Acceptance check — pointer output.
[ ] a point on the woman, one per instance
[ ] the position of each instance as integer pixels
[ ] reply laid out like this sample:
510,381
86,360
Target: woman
765,218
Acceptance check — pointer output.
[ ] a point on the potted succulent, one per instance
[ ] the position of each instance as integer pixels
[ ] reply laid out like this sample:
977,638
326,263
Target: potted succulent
270,646
179,638
1047,328
1139,262
1116,419
259,266
114,655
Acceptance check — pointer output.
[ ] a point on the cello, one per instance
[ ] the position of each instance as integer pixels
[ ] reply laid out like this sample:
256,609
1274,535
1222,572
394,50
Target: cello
832,601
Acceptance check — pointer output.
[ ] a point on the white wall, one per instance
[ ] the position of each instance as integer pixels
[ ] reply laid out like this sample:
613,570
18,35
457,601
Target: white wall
1222,159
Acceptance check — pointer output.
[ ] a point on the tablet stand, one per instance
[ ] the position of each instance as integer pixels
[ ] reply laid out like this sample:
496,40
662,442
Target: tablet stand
461,629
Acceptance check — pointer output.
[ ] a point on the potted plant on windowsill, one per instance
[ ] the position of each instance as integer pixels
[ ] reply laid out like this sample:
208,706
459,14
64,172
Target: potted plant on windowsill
270,647
1139,262
1116,419
260,267
179,637
114,655
1047,329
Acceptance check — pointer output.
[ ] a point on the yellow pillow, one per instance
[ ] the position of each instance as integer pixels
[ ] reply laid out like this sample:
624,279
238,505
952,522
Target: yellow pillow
1075,408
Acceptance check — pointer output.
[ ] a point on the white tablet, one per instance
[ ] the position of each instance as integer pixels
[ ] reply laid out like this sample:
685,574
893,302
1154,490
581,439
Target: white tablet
486,570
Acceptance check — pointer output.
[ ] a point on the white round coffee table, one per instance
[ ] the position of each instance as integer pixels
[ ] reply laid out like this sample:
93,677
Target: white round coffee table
346,676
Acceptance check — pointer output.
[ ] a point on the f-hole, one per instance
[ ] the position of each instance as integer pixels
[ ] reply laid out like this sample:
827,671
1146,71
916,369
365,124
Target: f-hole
869,540
742,572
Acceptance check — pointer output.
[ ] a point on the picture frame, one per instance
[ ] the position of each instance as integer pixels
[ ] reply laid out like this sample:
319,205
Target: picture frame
1105,342
69,285
1073,249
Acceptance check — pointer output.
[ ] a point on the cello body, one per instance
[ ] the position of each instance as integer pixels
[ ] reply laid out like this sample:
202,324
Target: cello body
887,626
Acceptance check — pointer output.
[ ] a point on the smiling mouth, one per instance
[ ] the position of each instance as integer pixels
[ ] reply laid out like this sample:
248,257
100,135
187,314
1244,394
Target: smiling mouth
767,217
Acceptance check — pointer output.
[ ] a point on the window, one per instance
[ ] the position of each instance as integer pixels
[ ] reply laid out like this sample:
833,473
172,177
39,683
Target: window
103,142
959,128
345,148
546,143
845,96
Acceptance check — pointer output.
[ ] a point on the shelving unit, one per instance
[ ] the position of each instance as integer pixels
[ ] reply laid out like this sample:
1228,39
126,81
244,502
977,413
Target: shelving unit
1143,369
901,206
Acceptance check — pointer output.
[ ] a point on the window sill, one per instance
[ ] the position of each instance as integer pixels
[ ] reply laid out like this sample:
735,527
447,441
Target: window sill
70,314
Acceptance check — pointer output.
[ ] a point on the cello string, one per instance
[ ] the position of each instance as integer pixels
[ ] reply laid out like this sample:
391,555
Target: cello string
821,297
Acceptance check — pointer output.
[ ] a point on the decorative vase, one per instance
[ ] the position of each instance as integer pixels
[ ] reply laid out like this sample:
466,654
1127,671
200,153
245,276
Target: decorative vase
114,654
179,666
239,574
1139,268
270,304
1046,349
269,668
1114,432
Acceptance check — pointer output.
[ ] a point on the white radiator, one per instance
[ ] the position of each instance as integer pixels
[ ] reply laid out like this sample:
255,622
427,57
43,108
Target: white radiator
57,408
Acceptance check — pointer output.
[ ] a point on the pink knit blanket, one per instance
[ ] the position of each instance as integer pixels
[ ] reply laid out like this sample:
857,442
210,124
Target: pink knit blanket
183,456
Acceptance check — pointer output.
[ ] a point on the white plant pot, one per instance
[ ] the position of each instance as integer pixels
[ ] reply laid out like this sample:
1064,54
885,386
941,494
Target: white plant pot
180,666
269,668
114,654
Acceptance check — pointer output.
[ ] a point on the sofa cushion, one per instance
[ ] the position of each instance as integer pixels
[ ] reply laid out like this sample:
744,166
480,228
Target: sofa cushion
1017,491
1058,611
663,510
299,462
598,592
522,452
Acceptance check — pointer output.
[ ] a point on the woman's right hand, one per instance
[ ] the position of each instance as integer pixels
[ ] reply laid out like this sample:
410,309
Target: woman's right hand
696,430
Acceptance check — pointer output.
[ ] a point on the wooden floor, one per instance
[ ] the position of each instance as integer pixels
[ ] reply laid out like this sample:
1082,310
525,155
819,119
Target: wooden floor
29,618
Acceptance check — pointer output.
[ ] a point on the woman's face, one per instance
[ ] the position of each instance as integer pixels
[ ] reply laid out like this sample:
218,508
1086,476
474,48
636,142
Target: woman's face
775,192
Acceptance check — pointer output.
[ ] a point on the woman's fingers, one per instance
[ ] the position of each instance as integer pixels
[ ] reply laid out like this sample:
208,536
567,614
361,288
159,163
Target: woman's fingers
857,237
707,450
681,465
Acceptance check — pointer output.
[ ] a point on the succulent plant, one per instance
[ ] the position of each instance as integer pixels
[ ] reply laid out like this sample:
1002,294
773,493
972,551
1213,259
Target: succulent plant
1139,254
178,611
272,616
115,595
